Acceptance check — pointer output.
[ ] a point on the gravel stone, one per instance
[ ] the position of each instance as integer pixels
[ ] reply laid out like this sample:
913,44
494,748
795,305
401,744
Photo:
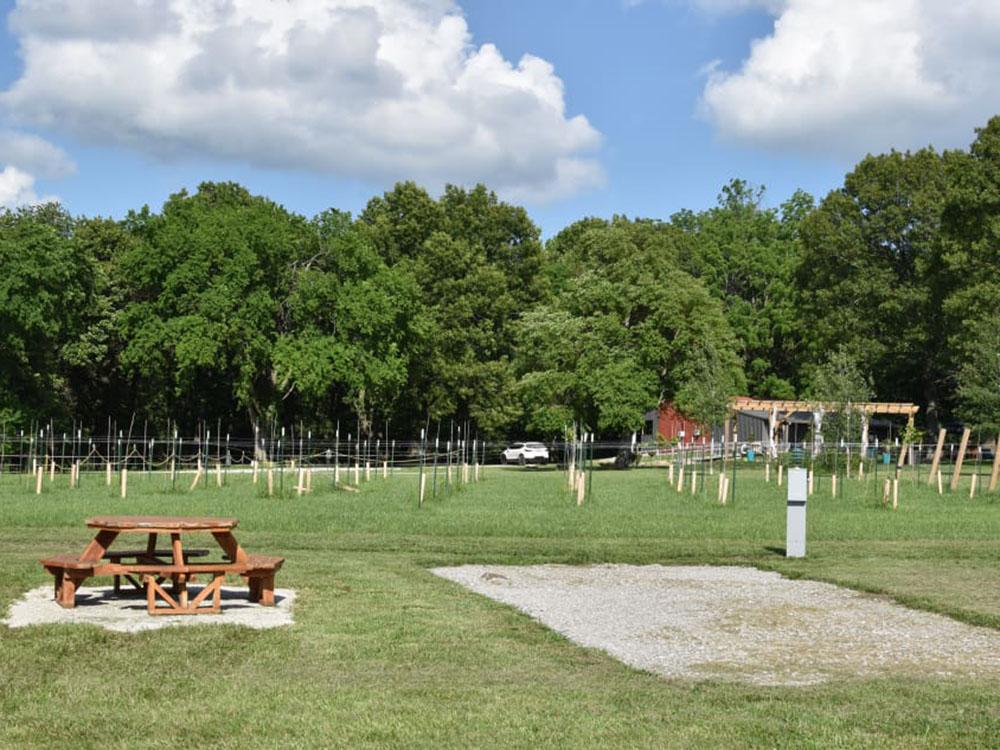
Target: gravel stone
124,613
736,623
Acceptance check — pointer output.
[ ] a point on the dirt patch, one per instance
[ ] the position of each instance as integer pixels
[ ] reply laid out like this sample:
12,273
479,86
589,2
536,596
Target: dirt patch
123,613
736,623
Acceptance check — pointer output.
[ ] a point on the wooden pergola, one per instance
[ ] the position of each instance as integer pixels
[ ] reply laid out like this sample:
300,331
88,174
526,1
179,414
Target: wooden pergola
778,411
745,403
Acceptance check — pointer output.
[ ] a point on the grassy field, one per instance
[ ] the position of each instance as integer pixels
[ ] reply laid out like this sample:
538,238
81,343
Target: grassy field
384,654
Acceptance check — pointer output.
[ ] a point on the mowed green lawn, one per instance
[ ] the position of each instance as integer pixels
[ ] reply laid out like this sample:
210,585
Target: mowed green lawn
384,654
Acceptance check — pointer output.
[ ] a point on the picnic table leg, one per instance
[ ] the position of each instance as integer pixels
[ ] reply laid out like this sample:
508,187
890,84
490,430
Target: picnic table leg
267,590
254,583
67,591
179,581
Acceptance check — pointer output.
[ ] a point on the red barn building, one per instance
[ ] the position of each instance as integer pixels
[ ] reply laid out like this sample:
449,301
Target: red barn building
667,423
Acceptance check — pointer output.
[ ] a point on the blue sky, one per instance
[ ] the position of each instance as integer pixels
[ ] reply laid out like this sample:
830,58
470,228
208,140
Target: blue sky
661,101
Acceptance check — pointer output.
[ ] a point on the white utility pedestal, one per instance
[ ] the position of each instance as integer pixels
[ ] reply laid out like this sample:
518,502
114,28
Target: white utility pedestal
798,492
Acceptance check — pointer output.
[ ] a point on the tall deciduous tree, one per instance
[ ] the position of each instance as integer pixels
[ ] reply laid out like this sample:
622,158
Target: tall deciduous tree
747,256
47,289
979,376
868,278
971,271
351,325
624,329
203,291
476,261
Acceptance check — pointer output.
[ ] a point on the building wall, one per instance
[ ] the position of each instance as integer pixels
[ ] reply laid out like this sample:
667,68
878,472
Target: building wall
671,423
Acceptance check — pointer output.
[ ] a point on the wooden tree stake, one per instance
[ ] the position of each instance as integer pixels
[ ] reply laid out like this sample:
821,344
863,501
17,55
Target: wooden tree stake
995,475
957,474
936,460
124,482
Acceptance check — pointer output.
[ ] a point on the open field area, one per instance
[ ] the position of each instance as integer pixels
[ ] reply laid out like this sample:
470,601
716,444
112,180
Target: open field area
385,654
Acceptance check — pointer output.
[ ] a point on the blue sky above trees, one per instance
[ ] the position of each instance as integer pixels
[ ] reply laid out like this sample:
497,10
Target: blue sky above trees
573,108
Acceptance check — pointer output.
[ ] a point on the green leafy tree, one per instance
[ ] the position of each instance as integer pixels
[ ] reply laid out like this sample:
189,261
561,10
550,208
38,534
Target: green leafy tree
747,256
839,384
870,271
979,377
625,329
351,325
203,288
476,262
47,286
970,274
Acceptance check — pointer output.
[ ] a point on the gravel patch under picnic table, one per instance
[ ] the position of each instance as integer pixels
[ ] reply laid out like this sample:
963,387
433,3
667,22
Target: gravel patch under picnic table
738,623
126,612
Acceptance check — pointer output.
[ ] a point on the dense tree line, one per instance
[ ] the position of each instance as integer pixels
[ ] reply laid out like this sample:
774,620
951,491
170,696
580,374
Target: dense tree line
226,306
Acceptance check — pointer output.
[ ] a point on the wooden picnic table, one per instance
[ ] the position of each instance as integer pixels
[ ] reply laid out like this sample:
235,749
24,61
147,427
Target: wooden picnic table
154,566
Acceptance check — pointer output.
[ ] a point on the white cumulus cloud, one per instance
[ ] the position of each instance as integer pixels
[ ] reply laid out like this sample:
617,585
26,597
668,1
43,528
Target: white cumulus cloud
856,76
34,154
17,188
375,89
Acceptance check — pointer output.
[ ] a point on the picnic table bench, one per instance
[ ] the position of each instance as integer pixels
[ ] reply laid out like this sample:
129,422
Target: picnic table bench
154,565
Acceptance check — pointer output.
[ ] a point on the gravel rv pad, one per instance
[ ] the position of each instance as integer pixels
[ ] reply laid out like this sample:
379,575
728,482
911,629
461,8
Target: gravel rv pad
738,623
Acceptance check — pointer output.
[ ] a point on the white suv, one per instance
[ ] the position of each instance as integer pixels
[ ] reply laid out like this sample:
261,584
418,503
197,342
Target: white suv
525,453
